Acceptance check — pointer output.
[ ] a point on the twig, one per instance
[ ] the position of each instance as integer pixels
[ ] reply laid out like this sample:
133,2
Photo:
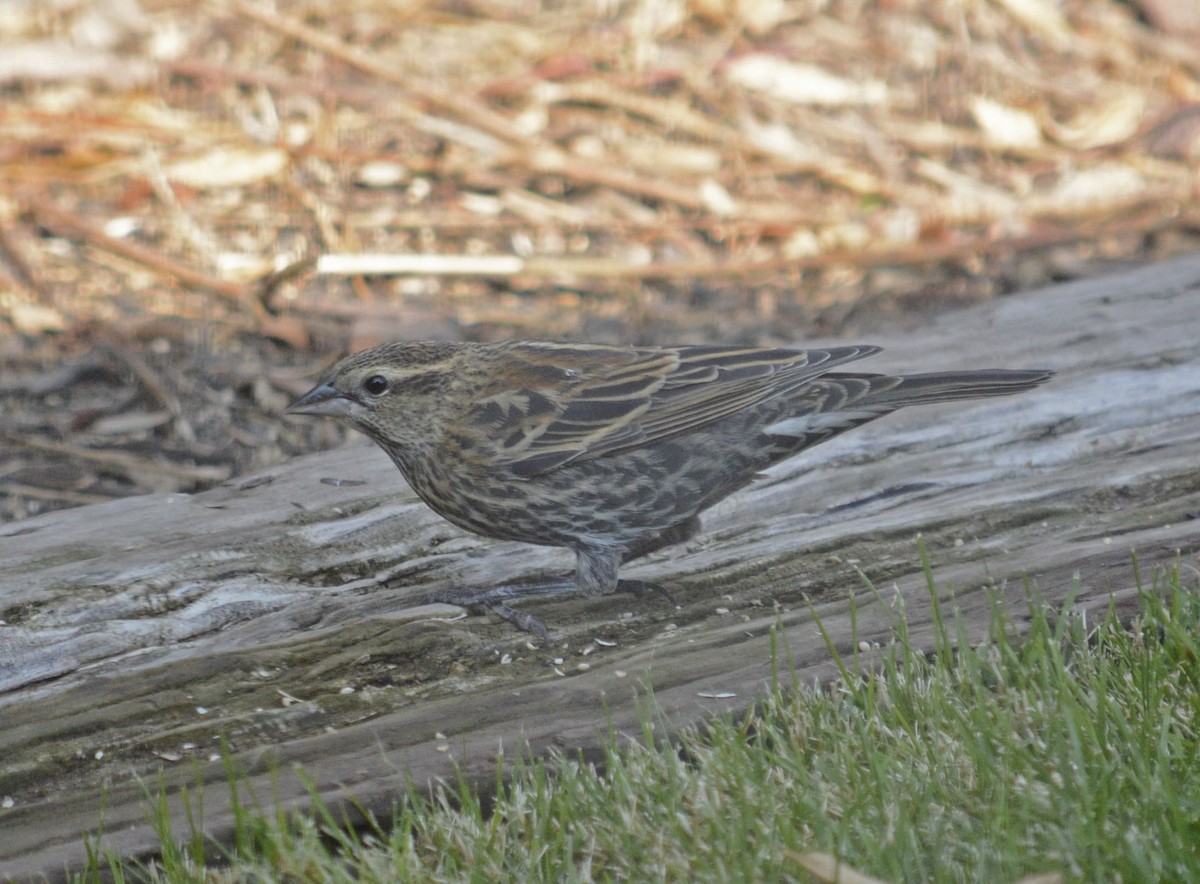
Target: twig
74,498
608,268
66,224
551,160
128,464
462,106
669,115
20,268
268,285
184,223
541,157
153,384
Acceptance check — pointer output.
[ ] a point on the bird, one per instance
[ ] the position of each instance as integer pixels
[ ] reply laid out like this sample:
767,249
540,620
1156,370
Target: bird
610,451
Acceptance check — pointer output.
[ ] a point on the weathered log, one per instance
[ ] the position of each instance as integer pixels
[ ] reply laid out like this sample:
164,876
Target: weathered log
276,612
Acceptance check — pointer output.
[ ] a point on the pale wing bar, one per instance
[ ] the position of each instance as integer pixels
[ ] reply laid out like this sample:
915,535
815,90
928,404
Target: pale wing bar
671,391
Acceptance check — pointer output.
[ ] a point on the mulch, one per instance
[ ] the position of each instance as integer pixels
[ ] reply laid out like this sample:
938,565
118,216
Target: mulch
201,205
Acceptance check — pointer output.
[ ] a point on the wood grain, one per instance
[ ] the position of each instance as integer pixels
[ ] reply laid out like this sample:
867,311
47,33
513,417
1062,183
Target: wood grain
276,612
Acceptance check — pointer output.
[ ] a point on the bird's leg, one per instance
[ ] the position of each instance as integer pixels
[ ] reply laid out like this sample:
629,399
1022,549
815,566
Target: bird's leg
678,533
596,571
595,574
494,597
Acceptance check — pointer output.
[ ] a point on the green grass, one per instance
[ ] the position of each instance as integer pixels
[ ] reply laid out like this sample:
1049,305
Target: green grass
1071,750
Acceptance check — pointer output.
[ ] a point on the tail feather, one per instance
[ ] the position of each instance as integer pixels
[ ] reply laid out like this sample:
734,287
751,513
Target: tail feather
841,401
925,389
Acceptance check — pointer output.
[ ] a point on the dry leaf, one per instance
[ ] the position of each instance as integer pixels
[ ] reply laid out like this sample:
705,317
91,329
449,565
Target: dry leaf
380,174
803,243
1080,191
847,236
802,83
58,60
1042,17
674,157
968,199
1004,126
762,16
717,199
1115,120
228,167
782,141
35,319
242,267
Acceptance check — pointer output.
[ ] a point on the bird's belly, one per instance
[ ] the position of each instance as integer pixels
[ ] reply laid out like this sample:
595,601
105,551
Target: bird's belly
615,500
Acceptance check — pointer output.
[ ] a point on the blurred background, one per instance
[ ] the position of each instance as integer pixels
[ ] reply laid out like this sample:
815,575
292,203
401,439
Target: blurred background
190,192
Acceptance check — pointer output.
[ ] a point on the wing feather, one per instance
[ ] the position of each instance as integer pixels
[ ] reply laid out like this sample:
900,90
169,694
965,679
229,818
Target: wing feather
606,399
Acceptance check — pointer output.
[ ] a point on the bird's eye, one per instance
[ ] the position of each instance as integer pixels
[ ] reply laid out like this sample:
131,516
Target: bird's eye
376,385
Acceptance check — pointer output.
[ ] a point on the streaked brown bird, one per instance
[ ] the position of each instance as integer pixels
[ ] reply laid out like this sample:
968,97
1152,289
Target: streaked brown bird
610,451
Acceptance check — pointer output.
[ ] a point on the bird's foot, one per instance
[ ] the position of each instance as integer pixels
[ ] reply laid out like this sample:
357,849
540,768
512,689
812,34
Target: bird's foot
494,598
639,588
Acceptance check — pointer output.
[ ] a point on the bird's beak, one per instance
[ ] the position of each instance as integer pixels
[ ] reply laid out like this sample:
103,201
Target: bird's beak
321,400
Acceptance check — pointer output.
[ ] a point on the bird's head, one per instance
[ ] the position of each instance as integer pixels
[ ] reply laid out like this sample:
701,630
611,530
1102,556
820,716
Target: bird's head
391,393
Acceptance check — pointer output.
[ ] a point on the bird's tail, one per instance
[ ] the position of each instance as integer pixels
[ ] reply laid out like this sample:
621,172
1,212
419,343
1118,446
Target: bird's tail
946,386
837,402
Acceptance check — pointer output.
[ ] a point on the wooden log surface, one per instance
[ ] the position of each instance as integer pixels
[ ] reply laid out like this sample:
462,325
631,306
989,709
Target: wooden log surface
276,612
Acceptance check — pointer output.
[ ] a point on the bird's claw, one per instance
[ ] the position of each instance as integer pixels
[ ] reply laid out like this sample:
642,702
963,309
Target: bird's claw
494,598
639,588
522,620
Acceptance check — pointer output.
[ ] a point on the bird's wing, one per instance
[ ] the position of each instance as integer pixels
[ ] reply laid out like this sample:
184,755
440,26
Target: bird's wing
604,400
